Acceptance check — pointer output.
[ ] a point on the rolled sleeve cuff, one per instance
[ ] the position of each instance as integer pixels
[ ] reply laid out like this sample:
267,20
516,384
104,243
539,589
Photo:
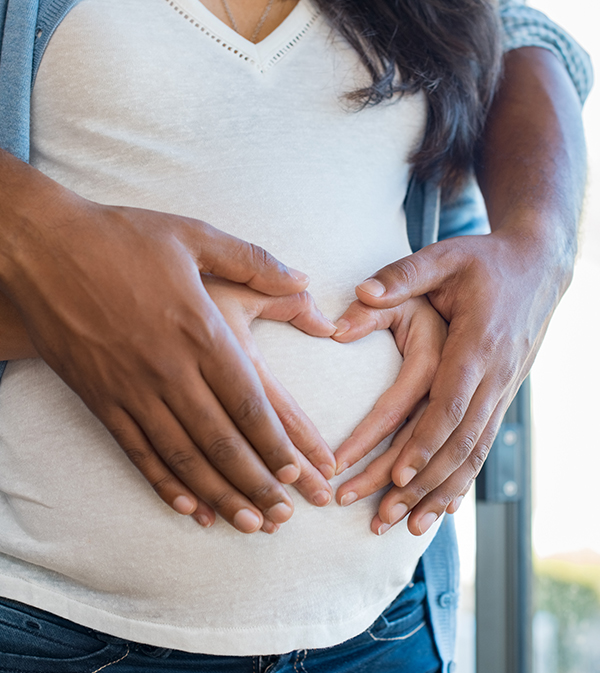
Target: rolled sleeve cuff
527,27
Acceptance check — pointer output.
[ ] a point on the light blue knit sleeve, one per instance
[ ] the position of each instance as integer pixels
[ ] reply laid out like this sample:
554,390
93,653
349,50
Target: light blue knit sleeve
527,27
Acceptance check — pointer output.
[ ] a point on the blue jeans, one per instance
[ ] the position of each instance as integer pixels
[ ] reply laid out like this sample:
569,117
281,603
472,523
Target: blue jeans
34,641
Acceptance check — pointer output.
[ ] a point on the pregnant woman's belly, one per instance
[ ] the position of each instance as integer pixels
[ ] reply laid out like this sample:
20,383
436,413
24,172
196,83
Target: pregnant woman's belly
72,503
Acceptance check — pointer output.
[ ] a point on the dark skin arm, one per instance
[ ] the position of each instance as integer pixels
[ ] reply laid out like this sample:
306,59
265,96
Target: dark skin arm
112,299
497,292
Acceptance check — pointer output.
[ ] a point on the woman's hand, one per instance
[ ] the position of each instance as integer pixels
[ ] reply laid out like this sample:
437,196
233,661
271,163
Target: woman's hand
378,475
420,334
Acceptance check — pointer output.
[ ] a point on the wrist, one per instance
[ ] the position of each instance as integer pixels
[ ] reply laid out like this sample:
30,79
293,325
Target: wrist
29,204
540,244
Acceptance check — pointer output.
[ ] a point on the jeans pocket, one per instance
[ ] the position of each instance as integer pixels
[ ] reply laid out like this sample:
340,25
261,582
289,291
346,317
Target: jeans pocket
403,618
34,641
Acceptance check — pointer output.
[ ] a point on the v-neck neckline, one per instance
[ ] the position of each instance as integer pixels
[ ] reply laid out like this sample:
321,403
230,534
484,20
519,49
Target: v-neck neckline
263,54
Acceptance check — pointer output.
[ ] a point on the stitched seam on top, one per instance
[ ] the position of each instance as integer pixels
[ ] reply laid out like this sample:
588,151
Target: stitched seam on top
235,50
240,53
110,663
304,655
292,43
406,637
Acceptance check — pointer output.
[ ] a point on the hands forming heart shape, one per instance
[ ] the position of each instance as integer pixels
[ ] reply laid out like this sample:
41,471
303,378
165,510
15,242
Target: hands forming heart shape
112,299
419,333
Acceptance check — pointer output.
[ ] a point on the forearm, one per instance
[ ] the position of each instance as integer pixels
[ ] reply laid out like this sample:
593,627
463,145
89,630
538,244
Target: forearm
30,204
25,195
15,343
532,167
15,200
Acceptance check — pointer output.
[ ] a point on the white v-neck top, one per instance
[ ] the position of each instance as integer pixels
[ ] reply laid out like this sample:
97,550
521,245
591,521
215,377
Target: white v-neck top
158,104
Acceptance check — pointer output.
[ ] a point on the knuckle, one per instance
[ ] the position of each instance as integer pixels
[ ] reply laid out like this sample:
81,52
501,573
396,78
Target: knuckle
263,493
488,343
250,412
290,421
465,446
404,271
419,491
421,454
138,455
468,372
390,420
373,480
260,257
278,454
162,484
477,459
223,450
222,501
207,341
122,437
305,301
305,481
455,409
508,373
181,461
444,500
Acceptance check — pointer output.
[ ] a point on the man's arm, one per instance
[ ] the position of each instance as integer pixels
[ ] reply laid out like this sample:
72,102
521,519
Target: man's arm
112,299
497,292
15,343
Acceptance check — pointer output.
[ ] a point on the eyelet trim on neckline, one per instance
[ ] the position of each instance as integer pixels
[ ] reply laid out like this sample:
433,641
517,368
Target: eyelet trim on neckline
240,53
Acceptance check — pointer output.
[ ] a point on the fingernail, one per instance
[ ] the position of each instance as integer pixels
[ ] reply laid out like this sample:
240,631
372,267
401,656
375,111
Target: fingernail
406,475
342,468
372,287
348,499
458,502
397,512
322,498
427,521
288,473
328,471
383,528
246,521
203,520
279,513
269,527
341,326
183,504
299,275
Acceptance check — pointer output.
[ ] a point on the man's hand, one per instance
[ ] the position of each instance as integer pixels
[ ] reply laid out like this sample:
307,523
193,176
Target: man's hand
112,300
497,292
240,306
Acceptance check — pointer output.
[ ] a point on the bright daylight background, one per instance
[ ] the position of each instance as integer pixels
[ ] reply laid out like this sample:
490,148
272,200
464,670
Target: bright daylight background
566,414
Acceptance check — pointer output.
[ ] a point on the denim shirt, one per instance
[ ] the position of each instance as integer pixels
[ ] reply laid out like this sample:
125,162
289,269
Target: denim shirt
26,27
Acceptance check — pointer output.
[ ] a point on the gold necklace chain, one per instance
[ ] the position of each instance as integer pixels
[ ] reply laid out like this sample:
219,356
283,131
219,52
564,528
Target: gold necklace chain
259,25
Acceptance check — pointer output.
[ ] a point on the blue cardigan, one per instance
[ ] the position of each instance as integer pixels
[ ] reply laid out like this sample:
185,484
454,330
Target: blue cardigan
26,27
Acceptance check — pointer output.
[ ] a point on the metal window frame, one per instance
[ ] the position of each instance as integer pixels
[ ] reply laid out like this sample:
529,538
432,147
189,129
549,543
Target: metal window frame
504,576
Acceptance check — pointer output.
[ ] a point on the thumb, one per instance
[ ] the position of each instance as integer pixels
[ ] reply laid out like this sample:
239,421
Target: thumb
237,260
301,311
412,276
